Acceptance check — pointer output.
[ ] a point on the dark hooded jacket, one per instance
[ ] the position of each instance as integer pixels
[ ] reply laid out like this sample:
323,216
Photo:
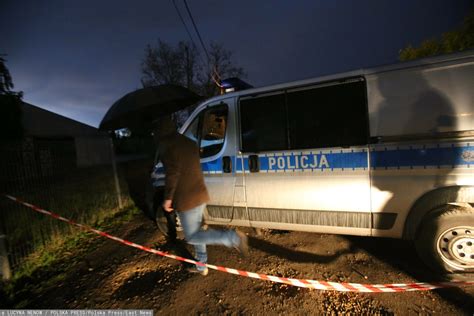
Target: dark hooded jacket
184,182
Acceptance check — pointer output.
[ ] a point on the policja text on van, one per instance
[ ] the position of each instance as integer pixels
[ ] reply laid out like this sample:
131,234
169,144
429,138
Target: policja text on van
298,162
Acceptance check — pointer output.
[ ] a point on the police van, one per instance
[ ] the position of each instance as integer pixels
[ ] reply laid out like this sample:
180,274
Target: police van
383,152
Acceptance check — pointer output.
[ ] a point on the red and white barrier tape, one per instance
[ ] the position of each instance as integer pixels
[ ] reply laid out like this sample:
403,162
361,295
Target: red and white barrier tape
312,284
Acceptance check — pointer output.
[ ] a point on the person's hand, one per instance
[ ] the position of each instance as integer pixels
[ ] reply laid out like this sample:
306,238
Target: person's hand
167,205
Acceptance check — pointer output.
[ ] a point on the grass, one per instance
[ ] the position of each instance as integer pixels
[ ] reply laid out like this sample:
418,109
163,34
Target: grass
61,246
45,173
49,262
86,196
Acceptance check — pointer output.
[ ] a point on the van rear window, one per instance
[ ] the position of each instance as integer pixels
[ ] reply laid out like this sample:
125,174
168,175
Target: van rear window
333,116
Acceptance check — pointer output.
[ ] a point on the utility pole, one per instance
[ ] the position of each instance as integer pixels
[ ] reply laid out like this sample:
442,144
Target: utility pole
116,179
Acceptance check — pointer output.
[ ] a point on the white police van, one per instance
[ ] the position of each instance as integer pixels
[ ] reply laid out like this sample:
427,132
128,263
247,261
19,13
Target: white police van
383,152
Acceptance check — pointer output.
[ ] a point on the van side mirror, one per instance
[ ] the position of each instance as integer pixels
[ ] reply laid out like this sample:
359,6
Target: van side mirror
226,164
254,163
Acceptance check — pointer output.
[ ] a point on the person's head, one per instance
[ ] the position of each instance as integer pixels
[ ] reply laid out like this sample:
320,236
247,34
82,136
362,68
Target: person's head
164,127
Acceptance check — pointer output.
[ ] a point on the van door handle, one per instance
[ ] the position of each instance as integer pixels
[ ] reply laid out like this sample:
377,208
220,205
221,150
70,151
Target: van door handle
226,164
254,163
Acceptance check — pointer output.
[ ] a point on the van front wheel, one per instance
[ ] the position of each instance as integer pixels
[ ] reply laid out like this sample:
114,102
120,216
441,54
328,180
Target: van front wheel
445,240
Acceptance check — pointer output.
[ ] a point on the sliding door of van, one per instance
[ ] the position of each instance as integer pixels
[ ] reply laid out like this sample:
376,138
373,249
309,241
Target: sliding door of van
305,157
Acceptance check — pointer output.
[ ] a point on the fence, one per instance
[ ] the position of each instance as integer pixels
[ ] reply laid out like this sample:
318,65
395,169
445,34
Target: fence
52,173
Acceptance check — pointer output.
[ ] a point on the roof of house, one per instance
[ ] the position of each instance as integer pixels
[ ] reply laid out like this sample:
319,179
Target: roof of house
38,122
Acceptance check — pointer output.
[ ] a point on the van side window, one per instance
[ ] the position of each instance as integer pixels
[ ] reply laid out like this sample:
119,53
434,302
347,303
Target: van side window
330,116
263,123
192,131
317,117
208,130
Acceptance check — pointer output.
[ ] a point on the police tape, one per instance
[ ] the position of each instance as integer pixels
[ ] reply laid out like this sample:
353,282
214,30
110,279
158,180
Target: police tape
312,284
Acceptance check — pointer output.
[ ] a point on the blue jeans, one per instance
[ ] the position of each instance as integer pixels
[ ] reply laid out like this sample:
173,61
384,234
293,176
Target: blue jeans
191,221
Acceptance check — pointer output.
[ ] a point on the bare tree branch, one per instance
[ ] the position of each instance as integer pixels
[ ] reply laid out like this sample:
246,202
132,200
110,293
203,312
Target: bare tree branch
184,66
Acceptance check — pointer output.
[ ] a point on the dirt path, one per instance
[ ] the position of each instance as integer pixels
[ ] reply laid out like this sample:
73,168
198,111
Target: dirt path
114,276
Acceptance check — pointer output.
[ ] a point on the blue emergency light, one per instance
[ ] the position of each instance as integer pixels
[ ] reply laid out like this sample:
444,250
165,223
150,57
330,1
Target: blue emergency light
234,84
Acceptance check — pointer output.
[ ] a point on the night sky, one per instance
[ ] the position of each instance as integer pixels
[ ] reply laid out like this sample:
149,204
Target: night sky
77,57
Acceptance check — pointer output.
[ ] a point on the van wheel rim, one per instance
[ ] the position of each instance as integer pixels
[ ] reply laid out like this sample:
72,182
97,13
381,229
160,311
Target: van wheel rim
456,247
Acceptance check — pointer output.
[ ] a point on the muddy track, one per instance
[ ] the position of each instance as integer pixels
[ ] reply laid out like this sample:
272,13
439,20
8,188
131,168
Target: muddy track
114,276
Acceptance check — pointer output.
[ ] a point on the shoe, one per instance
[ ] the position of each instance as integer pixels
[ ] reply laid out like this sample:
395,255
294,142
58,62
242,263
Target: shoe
243,246
195,270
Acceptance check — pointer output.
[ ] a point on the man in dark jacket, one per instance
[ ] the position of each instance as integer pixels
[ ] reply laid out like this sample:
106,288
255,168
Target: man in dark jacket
186,192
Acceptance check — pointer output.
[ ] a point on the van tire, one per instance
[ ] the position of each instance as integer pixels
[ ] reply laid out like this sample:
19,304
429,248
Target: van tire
445,240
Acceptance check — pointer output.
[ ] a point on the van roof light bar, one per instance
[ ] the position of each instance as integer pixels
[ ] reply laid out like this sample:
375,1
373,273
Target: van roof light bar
234,84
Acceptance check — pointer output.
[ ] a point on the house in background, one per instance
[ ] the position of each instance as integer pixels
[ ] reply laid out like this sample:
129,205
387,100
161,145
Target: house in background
43,128
63,166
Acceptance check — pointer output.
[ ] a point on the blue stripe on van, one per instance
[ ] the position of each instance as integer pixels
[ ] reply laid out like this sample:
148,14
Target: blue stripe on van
214,165
450,156
386,157
423,157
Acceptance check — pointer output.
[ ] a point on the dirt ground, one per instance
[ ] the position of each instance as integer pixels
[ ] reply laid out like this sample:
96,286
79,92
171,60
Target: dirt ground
114,276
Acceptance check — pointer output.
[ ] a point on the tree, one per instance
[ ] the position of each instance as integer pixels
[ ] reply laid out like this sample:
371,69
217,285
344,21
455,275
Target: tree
453,41
10,106
169,65
183,65
220,67
6,83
